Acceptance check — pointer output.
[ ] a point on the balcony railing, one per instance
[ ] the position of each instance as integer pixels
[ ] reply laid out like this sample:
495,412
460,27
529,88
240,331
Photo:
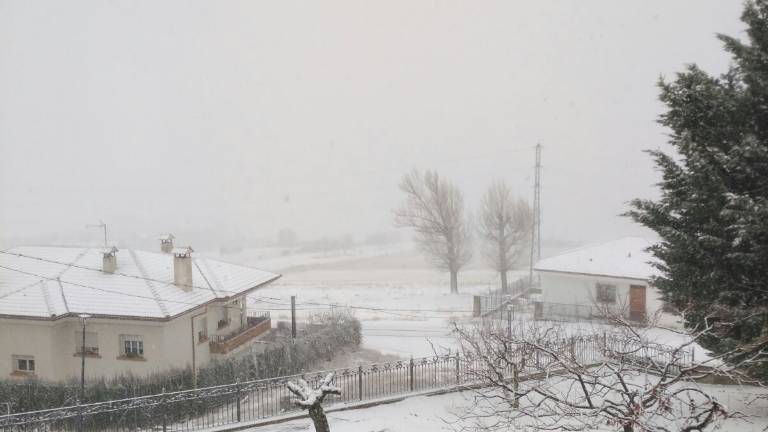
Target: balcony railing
202,336
89,350
256,324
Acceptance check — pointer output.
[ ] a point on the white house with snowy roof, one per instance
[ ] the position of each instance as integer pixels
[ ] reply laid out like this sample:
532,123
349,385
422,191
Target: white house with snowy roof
584,282
146,311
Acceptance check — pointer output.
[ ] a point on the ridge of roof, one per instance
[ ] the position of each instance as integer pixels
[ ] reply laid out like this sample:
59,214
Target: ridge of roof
63,297
205,278
210,272
74,261
149,283
47,298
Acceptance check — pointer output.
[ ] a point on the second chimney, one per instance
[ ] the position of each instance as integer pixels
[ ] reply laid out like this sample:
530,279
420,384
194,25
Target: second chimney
166,243
182,267
109,260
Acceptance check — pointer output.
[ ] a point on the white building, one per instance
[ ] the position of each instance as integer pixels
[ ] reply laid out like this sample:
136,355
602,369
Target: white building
148,311
614,275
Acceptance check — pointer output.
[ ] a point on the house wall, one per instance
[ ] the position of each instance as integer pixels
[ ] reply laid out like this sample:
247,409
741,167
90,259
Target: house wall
25,337
577,289
167,344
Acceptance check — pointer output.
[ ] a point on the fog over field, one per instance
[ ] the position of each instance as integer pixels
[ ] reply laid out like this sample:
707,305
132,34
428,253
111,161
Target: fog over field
225,123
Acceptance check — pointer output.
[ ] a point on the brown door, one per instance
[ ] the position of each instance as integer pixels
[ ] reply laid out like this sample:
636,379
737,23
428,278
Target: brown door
636,302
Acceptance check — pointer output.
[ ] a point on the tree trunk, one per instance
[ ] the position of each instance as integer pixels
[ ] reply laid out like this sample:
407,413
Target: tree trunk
628,428
504,281
454,282
317,415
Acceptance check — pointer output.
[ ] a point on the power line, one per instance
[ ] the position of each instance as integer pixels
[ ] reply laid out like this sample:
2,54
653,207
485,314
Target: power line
382,310
106,290
145,278
94,288
327,306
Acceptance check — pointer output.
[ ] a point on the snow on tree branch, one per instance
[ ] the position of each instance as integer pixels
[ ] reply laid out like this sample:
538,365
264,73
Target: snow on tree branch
312,399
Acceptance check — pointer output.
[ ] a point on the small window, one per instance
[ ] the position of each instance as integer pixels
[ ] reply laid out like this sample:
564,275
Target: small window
224,319
91,343
24,364
131,346
202,334
606,293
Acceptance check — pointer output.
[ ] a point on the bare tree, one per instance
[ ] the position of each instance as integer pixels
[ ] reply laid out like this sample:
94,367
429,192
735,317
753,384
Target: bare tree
312,399
505,225
434,208
543,378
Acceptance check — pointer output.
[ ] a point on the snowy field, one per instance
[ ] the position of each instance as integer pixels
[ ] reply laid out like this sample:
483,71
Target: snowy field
403,303
438,413
406,310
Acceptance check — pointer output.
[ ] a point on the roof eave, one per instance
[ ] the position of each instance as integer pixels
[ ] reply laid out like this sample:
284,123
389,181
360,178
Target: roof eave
593,274
142,318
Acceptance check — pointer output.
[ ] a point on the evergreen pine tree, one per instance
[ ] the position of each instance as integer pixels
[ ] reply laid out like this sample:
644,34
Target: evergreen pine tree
712,215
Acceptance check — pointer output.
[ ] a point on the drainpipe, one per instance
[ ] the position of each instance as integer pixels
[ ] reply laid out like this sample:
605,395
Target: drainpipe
194,345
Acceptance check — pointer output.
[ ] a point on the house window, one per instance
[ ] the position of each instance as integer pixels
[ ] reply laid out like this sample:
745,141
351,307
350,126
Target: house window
606,293
131,346
202,334
91,343
24,364
224,319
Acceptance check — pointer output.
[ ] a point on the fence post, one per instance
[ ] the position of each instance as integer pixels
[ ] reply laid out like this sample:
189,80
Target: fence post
165,410
476,309
515,385
605,345
360,381
237,387
80,416
458,370
410,373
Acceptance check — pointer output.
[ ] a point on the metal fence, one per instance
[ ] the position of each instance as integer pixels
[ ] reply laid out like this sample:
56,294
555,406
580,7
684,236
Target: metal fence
493,304
570,312
254,400
240,402
562,312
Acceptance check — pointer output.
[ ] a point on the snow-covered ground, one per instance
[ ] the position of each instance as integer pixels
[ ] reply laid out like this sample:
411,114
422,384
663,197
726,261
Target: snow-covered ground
406,310
403,303
437,413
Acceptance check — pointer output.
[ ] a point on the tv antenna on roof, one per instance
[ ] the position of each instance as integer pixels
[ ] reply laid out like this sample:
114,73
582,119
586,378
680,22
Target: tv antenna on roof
101,224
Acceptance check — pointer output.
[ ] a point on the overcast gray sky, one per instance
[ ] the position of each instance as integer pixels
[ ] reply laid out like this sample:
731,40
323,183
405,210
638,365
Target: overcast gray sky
240,118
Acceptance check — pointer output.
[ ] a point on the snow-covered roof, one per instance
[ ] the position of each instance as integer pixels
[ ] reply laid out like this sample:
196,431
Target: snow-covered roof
166,237
53,282
622,258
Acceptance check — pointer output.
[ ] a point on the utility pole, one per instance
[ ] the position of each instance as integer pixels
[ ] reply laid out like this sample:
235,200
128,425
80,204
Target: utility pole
102,225
83,322
293,316
536,226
